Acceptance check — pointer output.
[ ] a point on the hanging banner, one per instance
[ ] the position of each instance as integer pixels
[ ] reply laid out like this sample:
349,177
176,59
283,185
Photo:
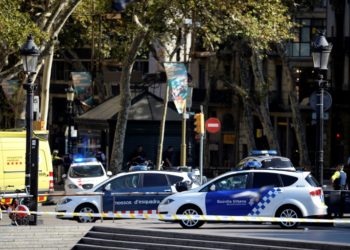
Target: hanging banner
82,86
10,88
177,80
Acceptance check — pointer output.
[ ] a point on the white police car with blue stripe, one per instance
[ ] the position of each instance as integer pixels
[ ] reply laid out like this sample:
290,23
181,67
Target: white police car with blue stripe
263,192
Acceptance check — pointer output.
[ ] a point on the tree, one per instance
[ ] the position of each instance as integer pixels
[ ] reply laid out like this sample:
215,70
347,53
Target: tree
260,23
19,18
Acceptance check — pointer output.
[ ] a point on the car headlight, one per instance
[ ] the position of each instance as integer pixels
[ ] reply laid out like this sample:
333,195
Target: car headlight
72,186
166,202
65,201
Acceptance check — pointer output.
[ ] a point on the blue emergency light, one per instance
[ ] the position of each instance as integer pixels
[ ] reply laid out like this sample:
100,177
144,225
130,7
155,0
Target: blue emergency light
82,159
263,152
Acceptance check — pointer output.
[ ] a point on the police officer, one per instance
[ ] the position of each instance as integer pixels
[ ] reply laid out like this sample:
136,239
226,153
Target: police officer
57,166
101,157
339,178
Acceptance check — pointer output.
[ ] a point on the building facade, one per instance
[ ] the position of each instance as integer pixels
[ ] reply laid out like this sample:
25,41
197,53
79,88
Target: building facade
224,149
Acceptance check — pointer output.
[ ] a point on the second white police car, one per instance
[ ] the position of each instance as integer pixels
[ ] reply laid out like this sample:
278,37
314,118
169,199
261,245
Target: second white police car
267,159
267,193
84,174
131,192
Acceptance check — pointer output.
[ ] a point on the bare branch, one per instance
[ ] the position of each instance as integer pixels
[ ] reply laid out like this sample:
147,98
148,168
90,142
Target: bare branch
54,16
64,16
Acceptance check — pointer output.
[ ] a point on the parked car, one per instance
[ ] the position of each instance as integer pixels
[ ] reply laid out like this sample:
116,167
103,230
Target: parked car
133,188
83,174
267,193
267,159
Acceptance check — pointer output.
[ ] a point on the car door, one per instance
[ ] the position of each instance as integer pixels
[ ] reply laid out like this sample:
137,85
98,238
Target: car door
268,188
223,196
154,188
121,184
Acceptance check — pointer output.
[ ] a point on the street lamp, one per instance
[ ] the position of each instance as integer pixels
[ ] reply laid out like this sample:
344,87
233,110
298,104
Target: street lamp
30,54
321,50
70,99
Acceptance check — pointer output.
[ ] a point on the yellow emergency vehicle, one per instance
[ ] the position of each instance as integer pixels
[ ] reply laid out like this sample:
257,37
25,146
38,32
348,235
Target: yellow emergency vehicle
12,161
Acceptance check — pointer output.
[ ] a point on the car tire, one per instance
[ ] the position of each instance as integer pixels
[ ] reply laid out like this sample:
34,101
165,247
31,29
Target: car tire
190,210
85,208
289,211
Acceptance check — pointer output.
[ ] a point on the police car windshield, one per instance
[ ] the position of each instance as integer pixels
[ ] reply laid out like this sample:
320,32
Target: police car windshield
276,163
86,171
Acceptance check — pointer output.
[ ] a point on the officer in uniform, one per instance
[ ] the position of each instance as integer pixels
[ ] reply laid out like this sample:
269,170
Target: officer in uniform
339,178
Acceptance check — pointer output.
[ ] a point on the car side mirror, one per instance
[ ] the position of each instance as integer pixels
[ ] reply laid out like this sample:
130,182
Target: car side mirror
181,186
64,176
107,187
212,188
109,173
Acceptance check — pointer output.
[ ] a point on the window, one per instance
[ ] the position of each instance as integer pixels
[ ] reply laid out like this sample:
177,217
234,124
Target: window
154,180
86,171
276,163
288,180
174,179
266,180
312,181
232,182
301,46
228,123
201,76
125,182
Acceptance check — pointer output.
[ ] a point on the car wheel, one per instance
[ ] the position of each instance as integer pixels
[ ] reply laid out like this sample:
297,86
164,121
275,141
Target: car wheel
286,212
188,223
85,208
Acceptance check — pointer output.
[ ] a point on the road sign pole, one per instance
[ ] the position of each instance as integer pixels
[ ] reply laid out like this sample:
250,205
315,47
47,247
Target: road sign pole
201,146
183,138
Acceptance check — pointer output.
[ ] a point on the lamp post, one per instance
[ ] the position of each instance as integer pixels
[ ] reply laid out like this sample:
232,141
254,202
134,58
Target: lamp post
321,50
30,54
70,99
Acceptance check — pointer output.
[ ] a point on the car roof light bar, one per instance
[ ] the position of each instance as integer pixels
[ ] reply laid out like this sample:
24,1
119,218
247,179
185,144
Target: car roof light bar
263,152
82,159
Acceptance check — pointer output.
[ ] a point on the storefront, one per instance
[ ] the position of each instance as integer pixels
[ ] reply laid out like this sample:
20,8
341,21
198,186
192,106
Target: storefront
96,127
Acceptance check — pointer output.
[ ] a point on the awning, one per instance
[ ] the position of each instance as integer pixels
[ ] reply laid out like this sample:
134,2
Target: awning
144,107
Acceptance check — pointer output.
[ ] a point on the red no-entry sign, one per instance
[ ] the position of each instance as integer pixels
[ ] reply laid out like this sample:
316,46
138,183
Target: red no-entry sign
213,125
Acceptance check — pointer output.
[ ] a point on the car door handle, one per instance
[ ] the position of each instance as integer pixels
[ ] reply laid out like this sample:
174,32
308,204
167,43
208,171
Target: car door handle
167,190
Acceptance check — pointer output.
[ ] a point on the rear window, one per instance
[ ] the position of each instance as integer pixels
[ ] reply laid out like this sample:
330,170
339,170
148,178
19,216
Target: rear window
174,179
288,180
265,180
312,181
276,163
154,180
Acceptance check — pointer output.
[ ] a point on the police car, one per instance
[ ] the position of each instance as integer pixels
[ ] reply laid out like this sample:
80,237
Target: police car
140,191
267,193
83,174
265,159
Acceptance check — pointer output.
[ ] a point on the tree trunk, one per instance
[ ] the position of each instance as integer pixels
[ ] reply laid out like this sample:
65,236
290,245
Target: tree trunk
116,163
262,107
246,82
299,127
45,88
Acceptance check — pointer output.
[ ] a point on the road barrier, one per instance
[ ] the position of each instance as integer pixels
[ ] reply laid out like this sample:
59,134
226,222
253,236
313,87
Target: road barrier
152,214
177,217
